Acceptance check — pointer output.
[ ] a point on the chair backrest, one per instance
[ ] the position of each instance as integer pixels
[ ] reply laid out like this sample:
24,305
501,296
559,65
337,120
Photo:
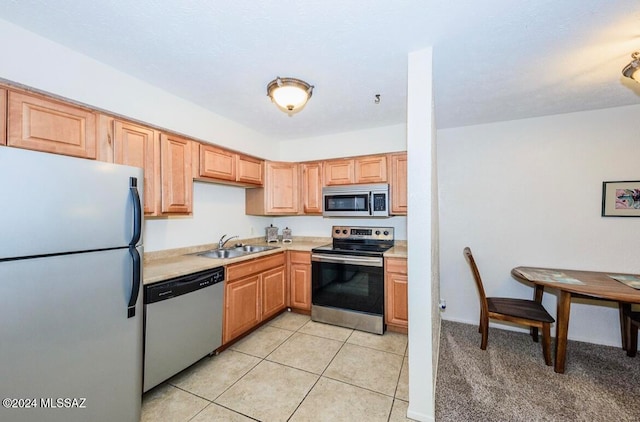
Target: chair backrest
476,276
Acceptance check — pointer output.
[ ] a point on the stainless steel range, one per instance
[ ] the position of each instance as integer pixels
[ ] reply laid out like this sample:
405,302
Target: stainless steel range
348,278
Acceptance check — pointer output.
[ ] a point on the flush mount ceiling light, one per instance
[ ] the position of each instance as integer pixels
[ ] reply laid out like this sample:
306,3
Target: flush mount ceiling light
289,94
632,70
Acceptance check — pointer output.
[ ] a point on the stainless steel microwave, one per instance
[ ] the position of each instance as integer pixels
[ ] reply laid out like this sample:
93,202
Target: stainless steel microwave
356,201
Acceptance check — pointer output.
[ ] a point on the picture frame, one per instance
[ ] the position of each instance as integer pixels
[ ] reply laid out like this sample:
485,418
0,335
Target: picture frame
621,198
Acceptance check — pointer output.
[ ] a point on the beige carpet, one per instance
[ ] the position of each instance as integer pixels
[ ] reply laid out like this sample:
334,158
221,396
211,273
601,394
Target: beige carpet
510,382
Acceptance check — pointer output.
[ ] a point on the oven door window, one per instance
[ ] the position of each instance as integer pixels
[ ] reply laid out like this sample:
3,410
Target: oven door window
345,286
352,202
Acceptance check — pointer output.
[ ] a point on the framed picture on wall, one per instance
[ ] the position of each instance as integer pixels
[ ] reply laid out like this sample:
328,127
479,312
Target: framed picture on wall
621,199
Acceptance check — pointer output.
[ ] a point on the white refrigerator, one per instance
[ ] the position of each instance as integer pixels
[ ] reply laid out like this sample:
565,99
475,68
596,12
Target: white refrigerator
71,346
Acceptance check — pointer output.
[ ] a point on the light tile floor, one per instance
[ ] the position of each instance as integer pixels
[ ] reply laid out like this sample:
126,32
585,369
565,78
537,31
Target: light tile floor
292,369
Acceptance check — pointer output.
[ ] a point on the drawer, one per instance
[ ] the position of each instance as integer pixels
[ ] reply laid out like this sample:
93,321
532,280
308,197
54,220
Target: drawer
297,257
396,265
258,265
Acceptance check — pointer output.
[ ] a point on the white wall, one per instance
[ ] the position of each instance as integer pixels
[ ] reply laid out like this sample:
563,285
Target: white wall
368,141
37,62
217,210
528,192
422,240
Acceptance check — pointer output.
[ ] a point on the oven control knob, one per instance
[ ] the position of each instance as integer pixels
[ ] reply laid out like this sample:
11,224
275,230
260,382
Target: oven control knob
337,231
344,232
377,232
386,233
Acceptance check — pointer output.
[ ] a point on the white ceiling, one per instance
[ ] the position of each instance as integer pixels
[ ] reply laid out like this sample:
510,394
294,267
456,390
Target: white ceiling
493,60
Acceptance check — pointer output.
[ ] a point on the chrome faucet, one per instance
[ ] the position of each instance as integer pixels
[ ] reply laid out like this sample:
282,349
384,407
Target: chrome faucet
224,241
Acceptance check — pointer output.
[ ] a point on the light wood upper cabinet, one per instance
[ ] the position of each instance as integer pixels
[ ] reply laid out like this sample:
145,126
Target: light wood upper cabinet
3,117
358,170
249,169
371,169
311,187
217,163
176,181
211,163
279,196
396,294
43,124
135,145
398,183
339,172
300,280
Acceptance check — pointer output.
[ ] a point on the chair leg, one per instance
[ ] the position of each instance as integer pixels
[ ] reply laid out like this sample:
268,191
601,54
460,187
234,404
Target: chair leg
481,319
546,343
632,340
484,330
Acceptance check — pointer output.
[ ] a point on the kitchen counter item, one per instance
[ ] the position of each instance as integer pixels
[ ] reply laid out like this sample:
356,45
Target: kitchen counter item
183,323
271,234
286,235
347,278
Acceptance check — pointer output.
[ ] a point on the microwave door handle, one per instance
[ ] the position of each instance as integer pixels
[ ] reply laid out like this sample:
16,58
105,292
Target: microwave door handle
370,203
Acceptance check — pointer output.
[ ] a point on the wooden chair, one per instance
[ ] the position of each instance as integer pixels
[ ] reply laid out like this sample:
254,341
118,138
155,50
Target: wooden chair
632,325
519,311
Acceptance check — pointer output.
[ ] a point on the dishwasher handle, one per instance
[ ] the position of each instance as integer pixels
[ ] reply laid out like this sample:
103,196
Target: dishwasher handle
179,286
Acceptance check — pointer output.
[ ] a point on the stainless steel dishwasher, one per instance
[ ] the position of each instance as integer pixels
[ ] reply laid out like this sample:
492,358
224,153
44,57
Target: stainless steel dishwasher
183,323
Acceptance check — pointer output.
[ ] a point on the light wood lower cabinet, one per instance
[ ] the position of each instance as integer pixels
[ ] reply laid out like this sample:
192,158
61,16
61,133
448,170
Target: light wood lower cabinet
300,280
43,124
396,309
3,117
242,306
255,290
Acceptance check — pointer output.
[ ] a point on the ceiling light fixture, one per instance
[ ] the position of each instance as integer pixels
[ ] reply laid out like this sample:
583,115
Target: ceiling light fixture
632,70
289,94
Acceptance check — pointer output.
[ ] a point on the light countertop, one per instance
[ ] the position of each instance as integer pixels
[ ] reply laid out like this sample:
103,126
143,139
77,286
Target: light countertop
166,264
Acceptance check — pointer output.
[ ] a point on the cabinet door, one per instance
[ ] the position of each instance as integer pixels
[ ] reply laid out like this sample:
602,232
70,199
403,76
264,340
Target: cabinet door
135,145
50,126
371,169
242,307
217,163
175,175
283,187
249,169
339,172
3,117
398,183
396,288
311,188
274,292
300,286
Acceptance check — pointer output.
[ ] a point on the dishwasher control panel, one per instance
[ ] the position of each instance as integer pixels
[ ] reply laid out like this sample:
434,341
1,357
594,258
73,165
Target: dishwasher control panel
178,286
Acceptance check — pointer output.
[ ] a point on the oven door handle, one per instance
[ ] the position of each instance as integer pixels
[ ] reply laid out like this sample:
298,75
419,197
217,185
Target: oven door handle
353,260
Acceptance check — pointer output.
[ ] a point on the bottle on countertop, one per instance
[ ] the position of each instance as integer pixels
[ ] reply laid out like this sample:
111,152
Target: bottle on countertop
271,234
286,235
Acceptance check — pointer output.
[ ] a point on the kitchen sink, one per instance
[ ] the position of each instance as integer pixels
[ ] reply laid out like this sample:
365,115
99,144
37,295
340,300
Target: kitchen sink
235,252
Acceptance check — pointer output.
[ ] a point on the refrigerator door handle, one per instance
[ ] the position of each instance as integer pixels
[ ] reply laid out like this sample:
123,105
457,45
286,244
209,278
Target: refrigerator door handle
135,285
137,211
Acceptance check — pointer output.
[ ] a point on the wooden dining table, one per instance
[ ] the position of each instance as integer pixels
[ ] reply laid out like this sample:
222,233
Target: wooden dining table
576,283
